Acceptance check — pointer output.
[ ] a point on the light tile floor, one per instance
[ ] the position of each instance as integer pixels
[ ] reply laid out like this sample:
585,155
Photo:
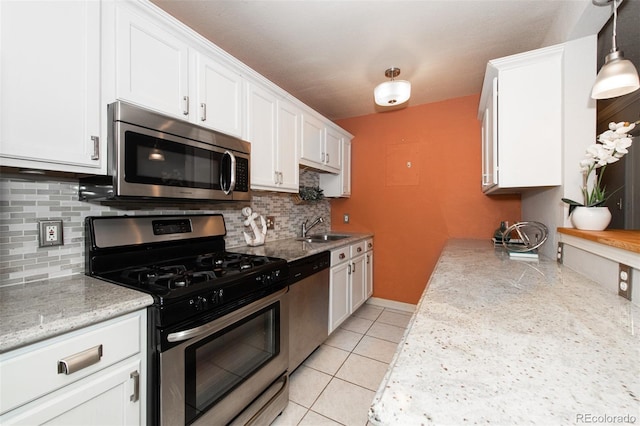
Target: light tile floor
337,383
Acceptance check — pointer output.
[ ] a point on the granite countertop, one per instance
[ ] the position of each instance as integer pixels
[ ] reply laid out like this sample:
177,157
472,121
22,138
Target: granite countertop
502,341
291,249
36,311
39,310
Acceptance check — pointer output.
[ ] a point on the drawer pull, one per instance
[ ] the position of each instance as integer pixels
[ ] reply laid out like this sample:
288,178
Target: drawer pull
341,256
359,249
81,360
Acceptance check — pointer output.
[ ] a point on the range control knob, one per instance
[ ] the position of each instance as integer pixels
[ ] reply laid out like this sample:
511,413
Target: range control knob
199,303
216,297
267,279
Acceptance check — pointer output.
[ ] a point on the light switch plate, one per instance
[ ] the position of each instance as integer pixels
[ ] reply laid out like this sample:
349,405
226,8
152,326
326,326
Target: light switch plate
50,232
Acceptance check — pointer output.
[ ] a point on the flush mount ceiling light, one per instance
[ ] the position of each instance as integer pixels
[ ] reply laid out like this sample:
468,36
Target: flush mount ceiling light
392,92
617,76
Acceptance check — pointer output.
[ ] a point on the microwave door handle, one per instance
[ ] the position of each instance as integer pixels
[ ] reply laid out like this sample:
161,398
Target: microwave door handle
232,177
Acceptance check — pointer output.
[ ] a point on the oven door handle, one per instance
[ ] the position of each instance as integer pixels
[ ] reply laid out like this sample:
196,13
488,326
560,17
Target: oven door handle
225,321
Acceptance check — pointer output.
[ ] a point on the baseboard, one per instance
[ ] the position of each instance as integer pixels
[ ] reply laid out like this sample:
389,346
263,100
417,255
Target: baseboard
392,304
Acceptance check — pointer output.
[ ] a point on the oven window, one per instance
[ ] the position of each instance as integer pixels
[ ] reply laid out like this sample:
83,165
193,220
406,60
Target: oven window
218,364
155,161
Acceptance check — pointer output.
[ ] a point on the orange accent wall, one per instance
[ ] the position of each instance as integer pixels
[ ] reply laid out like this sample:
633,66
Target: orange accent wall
415,184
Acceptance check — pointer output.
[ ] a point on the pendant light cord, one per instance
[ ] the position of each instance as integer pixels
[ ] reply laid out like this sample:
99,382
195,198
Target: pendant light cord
614,47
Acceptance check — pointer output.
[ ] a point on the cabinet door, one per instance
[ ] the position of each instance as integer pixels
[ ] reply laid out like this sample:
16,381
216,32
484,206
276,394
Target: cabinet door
50,85
339,185
151,64
345,173
261,131
358,281
490,140
339,304
332,149
312,140
219,100
288,137
369,274
529,121
110,397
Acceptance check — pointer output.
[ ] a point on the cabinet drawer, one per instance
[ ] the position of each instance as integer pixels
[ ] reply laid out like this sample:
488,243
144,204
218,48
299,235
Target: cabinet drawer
339,255
358,248
30,372
368,244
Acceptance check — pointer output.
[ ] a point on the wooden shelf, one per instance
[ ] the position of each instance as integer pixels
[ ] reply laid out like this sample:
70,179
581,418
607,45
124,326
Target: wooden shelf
623,239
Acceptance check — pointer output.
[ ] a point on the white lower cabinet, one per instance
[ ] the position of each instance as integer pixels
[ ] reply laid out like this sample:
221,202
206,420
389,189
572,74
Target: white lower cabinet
349,278
339,292
369,267
94,376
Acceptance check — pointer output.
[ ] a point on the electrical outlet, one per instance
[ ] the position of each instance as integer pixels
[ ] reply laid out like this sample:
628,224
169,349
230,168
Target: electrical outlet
624,281
345,218
50,232
271,222
559,253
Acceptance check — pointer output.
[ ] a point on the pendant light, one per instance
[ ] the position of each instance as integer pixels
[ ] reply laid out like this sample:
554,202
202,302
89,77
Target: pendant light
617,76
394,92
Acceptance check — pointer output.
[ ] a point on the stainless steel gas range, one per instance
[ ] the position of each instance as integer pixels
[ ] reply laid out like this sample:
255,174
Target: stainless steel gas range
218,329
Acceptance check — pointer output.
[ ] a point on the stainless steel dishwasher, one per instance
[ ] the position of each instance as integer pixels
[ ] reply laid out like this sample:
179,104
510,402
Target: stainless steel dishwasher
308,306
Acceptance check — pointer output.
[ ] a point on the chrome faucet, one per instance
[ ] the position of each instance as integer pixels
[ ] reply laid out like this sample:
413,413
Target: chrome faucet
314,223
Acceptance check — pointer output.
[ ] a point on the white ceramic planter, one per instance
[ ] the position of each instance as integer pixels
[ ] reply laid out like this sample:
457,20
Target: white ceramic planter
591,218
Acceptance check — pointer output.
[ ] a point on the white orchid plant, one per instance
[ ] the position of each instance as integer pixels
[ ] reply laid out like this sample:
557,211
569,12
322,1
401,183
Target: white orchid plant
610,147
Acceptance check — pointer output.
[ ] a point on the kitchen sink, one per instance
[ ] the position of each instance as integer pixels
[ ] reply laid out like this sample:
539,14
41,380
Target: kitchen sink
323,238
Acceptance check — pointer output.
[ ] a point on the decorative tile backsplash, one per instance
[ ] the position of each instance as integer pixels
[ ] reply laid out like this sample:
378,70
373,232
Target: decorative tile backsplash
24,201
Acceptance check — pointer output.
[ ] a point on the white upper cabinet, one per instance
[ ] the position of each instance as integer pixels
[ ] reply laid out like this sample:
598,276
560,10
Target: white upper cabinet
220,93
288,138
311,152
332,148
521,114
320,146
273,129
152,64
158,69
50,115
339,185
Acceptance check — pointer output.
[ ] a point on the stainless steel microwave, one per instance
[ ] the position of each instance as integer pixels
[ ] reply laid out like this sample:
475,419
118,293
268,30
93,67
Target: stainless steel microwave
152,157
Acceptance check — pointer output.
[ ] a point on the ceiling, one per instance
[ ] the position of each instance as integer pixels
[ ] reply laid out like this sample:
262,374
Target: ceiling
331,54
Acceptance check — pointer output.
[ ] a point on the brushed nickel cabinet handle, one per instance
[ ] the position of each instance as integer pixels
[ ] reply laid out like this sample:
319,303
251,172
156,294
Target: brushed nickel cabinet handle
185,109
96,147
203,115
136,386
77,362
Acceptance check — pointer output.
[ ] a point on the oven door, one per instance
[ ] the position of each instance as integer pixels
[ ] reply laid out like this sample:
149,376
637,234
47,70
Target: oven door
224,365
151,163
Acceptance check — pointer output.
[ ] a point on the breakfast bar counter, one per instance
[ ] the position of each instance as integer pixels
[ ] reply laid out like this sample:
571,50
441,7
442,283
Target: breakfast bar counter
495,340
